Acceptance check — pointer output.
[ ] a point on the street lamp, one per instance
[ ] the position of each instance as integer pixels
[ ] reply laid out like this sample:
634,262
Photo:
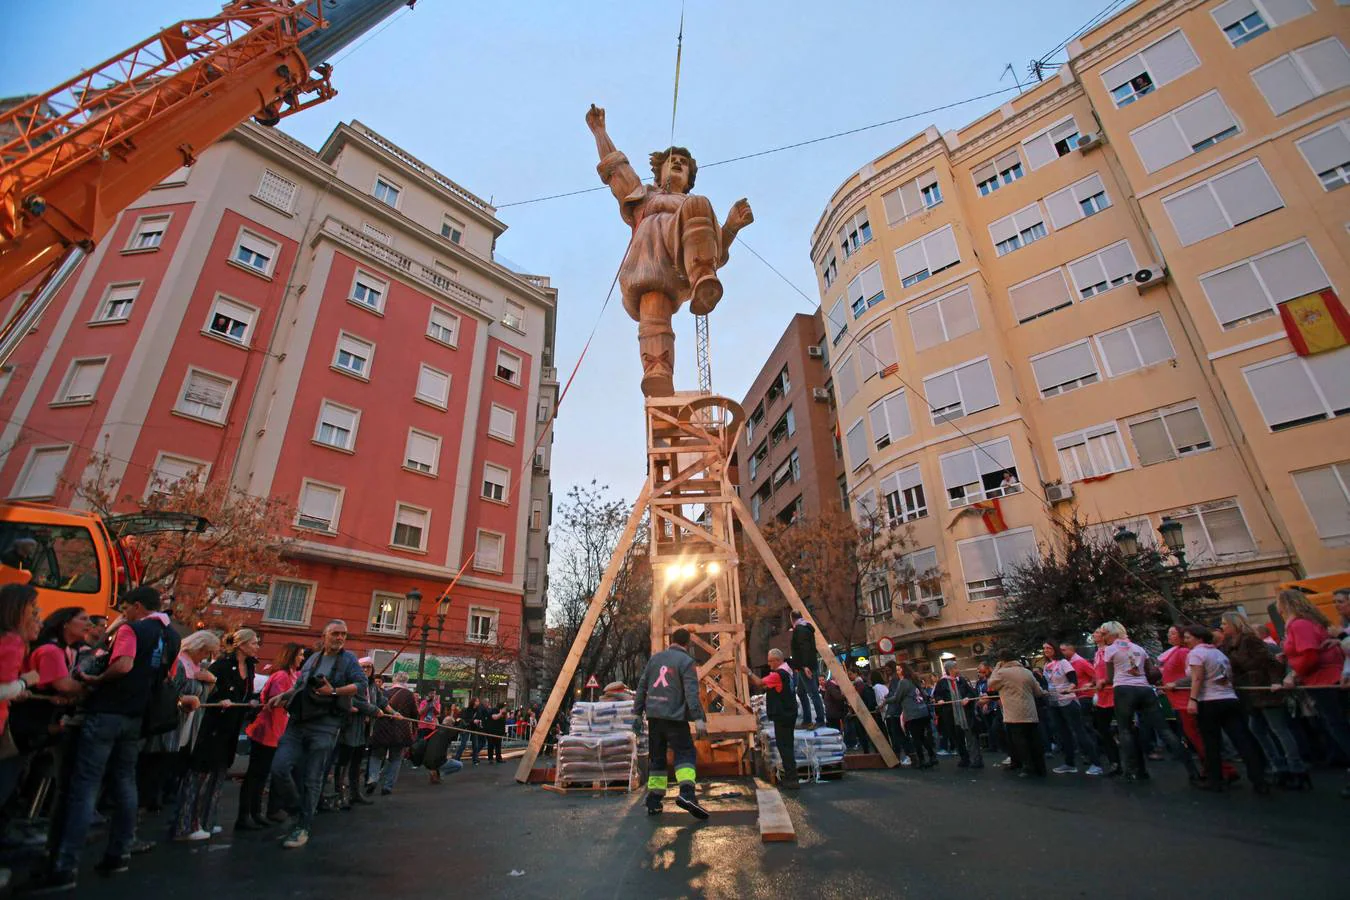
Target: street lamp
414,598
1127,541
1171,532
1175,540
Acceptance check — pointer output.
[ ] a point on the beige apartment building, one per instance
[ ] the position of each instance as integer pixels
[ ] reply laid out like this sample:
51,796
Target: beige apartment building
1070,307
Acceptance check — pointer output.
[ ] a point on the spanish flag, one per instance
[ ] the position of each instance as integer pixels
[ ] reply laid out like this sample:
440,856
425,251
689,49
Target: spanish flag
1315,322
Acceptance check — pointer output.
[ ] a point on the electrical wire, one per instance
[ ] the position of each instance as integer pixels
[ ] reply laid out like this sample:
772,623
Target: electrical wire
1091,23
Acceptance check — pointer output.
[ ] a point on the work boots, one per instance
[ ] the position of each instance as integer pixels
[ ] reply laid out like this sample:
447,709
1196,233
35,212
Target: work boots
688,802
700,264
654,803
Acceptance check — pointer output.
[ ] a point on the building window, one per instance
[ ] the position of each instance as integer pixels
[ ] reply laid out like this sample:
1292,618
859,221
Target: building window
903,494
542,411
1214,531
1253,289
854,233
830,271
276,191
866,508
889,417
81,382
846,380
788,472
1026,226
1108,268
927,256
1305,74
1242,20
489,548
962,391
255,253
369,291
231,321
452,229
536,515
482,625
985,560
433,386
1170,433
496,483
410,527
876,351
753,422
443,326
513,316
288,602
1058,140
1091,453
148,233
919,579
981,472
780,387
354,355
1187,129
423,452
757,459
532,574
837,321
784,428
1138,345
1065,369
387,192
1328,154
856,440
1003,169
508,367
380,235
912,198
1077,201
1225,201
319,506
866,290
1040,296
1295,390
205,396
170,469
337,426
387,615
1245,28
117,302
932,195
1163,61
879,601
1103,534
789,514
943,319
1326,493
41,473
502,423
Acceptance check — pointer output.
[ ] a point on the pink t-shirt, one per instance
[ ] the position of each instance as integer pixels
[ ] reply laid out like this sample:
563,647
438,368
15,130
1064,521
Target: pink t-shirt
1106,694
1303,641
124,644
52,663
12,651
1173,665
267,728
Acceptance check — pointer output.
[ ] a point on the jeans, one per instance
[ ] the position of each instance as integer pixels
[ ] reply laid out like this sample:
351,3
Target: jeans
920,733
108,744
255,779
1217,716
304,751
473,740
1132,699
1102,717
384,766
1270,726
808,692
1073,734
900,743
451,767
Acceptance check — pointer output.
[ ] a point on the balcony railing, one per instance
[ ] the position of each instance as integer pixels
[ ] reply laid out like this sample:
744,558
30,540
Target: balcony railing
411,267
425,169
549,373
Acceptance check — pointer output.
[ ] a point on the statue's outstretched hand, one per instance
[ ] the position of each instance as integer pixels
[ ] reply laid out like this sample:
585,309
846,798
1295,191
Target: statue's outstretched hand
740,215
595,118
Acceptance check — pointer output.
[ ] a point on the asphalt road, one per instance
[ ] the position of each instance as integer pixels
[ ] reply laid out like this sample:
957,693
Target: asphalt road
947,833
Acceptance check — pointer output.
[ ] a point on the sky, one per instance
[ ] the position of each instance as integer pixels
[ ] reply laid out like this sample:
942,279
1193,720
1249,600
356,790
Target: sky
494,96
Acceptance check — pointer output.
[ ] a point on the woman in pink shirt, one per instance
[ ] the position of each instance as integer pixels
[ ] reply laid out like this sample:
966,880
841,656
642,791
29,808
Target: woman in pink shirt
1103,705
1175,675
264,733
1316,662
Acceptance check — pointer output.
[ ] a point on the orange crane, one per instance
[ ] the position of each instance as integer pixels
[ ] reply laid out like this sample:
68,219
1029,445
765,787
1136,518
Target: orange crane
74,157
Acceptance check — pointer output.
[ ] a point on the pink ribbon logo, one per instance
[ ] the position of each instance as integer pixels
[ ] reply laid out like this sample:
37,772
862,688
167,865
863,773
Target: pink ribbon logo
661,678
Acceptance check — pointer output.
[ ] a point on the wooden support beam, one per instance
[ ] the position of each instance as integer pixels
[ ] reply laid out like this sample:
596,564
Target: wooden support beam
774,822
569,666
751,530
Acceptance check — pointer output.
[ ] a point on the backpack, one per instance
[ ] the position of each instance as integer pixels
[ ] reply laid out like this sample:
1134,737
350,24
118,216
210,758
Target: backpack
161,712
869,697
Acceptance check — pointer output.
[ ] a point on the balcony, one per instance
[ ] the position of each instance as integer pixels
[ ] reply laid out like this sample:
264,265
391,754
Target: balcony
534,613
411,267
549,374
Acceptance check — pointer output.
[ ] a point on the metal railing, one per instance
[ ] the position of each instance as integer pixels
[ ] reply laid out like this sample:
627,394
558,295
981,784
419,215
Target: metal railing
411,267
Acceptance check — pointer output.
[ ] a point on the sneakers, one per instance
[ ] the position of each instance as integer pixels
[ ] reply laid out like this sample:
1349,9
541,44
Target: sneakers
112,865
1094,770
199,835
905,761
1065,770
297,838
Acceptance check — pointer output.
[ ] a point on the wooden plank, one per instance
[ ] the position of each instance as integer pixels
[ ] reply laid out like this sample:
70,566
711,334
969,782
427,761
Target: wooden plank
569,666
751,530
774,822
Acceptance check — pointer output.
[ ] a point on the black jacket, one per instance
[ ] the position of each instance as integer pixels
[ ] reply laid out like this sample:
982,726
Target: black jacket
803,647
218,737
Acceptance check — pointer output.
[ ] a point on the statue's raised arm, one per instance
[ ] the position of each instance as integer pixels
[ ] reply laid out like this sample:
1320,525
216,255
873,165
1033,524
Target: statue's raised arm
614,168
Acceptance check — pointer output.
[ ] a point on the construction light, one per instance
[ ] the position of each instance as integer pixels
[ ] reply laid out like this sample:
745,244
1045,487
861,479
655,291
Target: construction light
672,575
714,568
688,571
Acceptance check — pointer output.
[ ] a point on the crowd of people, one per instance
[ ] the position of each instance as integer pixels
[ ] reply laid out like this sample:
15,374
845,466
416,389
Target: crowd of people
102,720
1214,695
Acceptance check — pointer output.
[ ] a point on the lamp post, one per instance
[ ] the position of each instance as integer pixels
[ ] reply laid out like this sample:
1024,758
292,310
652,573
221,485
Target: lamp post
1175,541
414,601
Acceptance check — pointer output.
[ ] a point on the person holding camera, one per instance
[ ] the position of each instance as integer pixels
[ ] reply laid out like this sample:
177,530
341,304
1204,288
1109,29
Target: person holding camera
318,703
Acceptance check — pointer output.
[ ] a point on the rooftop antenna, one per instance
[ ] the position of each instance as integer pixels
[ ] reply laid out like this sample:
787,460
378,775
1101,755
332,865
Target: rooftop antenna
1009,70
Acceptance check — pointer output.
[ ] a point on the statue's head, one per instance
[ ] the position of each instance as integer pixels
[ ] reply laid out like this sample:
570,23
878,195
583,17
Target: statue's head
675,169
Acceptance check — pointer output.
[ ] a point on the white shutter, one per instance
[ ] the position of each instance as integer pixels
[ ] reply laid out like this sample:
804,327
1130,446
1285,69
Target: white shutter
489,551
959,468
881,342
979,559
319,502
433,385
173,469
994,456
1247,192
867,361
1040,150
1235,293
1118,260
1150,336
42,472
1088,187
908,478
1327,149
977,387
1151,442
339,417
1282,84
1291,272
897,414
1123,71
1329,64
502,422
958,313
1232,12
1228,531
876,417
871,280
1160,143
837,320
846,379
856,442
1283,391
422,449
926,324
1195,214
1087,272
894,205
1204,118
1040,295
940,247
1331,371
984,172
941,390
1325,494
84,379
1015,548
1028,216
1282,11
1170,58
1002,229
1064,208
1064,365
910,260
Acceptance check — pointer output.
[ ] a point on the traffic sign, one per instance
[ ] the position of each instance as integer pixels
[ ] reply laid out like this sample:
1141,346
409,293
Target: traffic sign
592,683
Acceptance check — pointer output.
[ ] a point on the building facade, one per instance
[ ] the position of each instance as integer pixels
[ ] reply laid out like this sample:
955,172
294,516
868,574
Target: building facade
1070,309
330,327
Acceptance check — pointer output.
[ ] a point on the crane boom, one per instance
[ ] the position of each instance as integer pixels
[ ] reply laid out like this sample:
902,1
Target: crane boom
74,157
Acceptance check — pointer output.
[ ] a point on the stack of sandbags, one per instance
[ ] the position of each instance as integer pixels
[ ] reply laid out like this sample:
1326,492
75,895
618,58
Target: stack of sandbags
596,757
601,717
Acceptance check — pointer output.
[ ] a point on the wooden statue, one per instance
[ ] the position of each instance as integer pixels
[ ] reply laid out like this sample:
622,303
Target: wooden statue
676,251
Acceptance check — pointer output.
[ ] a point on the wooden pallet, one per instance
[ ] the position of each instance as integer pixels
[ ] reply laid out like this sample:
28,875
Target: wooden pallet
623,785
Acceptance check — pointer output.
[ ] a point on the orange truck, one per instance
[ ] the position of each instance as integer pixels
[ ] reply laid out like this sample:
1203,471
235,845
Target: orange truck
76,557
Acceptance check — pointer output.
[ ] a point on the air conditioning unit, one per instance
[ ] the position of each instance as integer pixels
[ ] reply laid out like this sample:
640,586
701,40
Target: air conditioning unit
820,394
1088,142
1150,277
1058,493
814,351
928,609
